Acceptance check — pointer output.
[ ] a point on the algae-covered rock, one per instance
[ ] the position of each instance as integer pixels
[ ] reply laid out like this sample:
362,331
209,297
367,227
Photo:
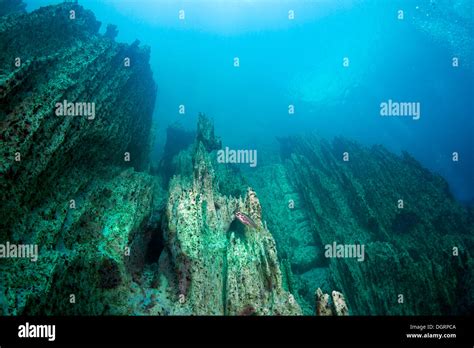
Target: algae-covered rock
83,250
12,7
417,239
221,266
326,307
75,65
69,181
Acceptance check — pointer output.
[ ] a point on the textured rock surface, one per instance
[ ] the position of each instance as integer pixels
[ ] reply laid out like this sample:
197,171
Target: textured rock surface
408,251
325,307
222,266
76,65
72,193
8,7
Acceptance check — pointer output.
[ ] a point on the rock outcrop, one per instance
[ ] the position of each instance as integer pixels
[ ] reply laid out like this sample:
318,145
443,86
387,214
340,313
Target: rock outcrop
216,265
418,240
71,183
324,307
8,7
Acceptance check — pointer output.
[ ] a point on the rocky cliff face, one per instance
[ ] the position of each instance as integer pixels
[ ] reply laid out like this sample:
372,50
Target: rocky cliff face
70,182
418,239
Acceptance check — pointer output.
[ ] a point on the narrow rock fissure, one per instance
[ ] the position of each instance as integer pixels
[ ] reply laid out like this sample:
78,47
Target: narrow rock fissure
155,245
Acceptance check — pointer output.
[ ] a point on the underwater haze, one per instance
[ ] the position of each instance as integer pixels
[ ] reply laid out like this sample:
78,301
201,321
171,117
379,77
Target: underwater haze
300,62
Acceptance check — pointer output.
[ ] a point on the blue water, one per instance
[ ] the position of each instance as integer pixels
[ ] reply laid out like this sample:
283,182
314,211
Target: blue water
299,62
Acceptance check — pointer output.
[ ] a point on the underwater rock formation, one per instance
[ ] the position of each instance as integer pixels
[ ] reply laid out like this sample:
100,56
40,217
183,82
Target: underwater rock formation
418,240
69,181
323,307
111,31
12,7
75,117
177,139
217,265
338,306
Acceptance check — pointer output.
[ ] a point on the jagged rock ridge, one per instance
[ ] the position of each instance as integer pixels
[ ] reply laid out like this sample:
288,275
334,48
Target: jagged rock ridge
221,266
66,185
408,251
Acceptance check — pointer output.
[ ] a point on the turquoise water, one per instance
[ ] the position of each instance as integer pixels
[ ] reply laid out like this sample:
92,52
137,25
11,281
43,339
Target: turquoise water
300,62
